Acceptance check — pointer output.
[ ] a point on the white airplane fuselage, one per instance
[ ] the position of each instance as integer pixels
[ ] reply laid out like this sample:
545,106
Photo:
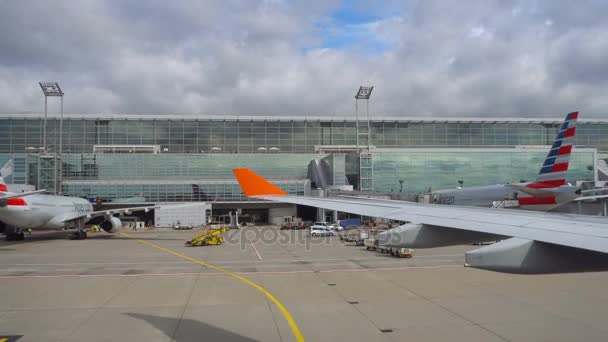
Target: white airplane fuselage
41,211
485,196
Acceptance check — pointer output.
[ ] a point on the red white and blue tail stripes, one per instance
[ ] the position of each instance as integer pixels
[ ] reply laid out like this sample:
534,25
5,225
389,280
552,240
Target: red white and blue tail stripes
554,169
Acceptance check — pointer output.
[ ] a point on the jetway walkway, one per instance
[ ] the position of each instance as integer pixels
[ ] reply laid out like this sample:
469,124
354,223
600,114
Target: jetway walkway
318,173
602,169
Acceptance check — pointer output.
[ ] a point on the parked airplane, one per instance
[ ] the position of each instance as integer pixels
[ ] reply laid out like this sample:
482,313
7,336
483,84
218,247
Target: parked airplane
38,211
548,192
531,242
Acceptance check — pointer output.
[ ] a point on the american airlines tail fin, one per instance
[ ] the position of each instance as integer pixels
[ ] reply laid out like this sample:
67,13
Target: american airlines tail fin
553,172
549,189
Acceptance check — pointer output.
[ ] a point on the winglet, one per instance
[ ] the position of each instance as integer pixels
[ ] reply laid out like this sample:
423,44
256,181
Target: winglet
253,184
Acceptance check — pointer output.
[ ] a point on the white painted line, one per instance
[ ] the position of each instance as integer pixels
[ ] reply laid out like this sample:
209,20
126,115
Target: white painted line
280,265
72,269
102,275
376,258
408,268
6,266
347,263
256,250
392,268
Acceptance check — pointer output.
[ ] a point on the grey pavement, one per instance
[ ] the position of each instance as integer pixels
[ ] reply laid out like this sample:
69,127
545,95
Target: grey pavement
116,288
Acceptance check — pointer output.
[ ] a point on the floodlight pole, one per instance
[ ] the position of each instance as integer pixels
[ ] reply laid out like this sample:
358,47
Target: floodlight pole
44,125
60,166
61,129
364,93
53,89
357,121
369,127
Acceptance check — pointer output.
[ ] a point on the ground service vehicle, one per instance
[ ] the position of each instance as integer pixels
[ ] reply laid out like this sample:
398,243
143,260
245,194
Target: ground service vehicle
321,229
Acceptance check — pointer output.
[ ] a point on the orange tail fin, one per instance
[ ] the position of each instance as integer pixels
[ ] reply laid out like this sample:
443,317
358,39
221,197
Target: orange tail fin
253,184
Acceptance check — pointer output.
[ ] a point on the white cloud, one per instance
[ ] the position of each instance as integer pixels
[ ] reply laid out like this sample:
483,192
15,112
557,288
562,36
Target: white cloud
441,58
477,31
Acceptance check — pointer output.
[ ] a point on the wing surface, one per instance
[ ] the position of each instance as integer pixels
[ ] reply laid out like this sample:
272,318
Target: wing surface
578,231
566,230
74,216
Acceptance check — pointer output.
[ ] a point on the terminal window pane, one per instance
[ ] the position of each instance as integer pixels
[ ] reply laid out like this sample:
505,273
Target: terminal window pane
272,140
427,134
415,134
442,170
488,134
299,127
476,135
464,134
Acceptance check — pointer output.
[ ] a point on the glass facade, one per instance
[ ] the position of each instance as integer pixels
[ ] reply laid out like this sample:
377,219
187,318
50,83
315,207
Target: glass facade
197,154
166,177
183,166
170,191
288,135
441,169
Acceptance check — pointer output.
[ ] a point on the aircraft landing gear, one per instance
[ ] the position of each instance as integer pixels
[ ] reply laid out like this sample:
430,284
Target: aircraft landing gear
80,234
15,236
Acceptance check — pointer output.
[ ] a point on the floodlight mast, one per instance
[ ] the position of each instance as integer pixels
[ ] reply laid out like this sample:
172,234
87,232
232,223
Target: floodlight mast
54,90
364,93
51,89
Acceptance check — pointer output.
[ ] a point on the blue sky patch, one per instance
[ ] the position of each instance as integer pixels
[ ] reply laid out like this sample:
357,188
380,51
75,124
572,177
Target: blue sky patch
350,26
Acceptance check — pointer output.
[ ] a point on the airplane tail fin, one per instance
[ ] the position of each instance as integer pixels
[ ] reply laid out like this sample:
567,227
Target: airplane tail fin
253,184
553,172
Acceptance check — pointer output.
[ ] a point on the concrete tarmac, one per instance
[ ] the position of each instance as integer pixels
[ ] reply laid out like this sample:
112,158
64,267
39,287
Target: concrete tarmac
120,289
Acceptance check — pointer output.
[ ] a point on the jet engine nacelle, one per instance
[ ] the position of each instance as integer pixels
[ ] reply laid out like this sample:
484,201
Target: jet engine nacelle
413,235
112,225
517,255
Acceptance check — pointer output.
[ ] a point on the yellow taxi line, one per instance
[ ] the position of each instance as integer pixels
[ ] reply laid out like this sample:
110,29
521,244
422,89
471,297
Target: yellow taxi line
292,324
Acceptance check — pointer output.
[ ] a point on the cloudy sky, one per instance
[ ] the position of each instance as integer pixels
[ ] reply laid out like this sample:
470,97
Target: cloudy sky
426,58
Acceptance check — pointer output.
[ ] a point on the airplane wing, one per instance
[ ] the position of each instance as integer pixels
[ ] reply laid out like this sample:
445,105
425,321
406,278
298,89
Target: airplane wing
8,195
586,198
535,249
594,190
531,191
110,212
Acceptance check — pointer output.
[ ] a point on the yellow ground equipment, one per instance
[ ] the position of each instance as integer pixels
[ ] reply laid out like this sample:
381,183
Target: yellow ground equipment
211,237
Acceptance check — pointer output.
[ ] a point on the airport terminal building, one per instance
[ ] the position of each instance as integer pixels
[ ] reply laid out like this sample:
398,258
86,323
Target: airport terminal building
172,158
